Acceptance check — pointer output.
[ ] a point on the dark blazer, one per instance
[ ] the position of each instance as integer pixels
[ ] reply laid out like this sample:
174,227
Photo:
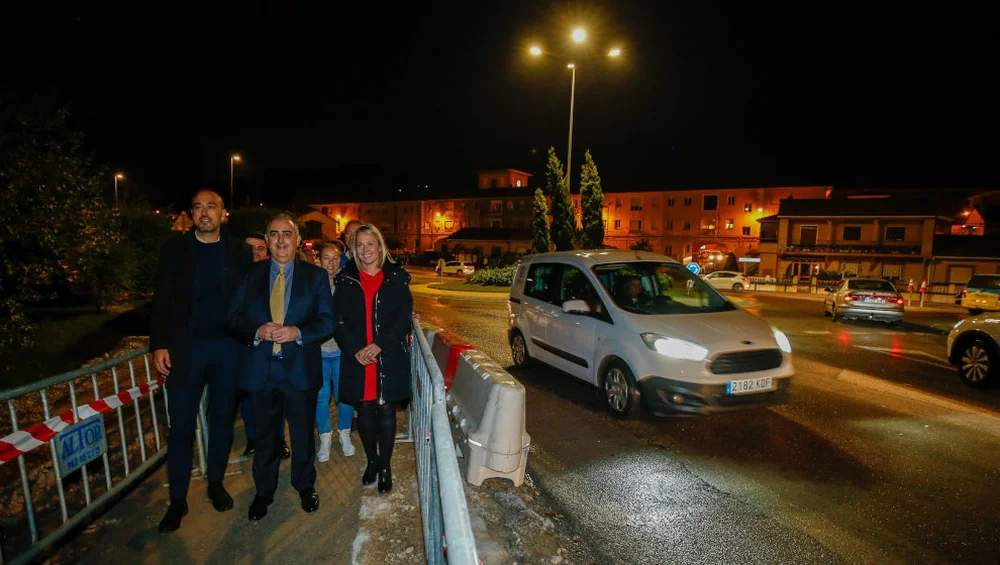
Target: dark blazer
174,297
392,317
310,309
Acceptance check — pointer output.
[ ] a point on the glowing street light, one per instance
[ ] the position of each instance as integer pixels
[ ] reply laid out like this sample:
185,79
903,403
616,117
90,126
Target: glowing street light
234,158
118,177
614,52
579,35
535,50
571,66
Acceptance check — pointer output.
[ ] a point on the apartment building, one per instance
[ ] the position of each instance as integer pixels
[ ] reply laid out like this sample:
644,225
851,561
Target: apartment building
677,223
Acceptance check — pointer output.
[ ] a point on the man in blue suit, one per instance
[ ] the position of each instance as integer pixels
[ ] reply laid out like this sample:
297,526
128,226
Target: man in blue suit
282,310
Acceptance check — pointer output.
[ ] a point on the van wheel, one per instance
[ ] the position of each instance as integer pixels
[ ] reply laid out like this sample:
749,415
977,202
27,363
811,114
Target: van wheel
619,390
977,363
519,350
738,287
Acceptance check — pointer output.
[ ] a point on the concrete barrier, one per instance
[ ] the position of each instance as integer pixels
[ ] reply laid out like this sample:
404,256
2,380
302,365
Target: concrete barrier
486,406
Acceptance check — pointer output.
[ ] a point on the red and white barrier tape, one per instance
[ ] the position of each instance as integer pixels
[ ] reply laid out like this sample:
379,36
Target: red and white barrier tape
23,441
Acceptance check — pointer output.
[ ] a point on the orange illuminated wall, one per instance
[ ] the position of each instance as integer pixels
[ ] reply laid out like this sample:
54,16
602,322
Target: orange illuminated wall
506,178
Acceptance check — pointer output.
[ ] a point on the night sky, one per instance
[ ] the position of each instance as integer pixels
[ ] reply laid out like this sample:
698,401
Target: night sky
331,102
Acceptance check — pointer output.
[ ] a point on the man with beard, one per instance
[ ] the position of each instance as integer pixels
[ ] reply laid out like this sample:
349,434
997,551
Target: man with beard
192,348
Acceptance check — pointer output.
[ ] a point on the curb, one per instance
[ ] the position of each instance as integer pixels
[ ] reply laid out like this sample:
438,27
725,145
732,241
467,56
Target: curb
992,417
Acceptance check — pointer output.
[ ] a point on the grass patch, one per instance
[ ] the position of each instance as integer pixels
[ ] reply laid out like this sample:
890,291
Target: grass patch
469,287
67,337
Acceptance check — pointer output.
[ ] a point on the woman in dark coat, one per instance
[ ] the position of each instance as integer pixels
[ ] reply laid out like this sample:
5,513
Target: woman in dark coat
374,307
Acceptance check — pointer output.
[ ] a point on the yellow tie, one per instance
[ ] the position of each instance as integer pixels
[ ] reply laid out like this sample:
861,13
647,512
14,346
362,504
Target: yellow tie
278,305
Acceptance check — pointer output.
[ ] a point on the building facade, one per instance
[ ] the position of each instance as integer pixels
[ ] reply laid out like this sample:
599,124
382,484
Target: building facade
677,223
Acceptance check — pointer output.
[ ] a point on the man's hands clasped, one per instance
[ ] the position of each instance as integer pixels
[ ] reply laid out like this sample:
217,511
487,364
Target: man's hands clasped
277,333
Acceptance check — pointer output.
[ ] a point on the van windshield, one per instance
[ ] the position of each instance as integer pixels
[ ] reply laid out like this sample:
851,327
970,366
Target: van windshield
652,287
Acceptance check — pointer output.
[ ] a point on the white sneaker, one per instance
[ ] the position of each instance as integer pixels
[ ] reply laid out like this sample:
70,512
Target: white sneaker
323,455
345,442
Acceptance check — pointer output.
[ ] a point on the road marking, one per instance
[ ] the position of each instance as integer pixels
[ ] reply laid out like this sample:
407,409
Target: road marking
901,353
816,332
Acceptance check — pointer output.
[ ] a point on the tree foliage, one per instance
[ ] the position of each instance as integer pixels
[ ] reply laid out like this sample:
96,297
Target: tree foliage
563,228
540,224
591,205
731,263
641,245
57,231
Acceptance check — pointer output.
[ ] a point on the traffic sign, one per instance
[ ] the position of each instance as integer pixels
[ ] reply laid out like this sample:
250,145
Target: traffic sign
80,444
749,259
694,268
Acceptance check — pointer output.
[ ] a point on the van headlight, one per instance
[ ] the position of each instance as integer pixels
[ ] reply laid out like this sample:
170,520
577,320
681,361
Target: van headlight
675,348
782,339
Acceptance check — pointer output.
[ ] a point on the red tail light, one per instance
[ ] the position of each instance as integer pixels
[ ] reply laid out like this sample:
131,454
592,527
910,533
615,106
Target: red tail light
746,279
899,300
965,292
849,297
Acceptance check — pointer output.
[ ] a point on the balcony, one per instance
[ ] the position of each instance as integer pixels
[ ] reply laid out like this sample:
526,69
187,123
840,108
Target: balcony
851,248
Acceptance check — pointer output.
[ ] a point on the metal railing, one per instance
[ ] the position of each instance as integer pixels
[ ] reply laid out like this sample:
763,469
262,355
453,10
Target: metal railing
53,506
443,508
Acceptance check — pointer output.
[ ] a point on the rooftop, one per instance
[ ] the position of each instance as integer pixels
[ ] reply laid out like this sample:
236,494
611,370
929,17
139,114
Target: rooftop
864,208
590,257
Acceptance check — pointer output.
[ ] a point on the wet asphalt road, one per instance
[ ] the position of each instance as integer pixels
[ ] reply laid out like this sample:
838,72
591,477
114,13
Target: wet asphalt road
841,474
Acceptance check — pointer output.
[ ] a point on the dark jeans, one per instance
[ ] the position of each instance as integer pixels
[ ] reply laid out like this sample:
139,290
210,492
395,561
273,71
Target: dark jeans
270,408
213,363
377,428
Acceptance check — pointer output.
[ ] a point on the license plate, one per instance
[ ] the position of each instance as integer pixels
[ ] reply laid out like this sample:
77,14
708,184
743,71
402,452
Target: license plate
749,386
874,300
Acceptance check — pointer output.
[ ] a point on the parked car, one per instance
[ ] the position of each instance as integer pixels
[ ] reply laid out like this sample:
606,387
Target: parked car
973,349
727,280
646,332
457,268
982,293
865,299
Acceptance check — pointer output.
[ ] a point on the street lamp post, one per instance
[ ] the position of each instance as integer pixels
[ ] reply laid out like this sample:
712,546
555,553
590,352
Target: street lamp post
569,144
118,177
232,160
578,36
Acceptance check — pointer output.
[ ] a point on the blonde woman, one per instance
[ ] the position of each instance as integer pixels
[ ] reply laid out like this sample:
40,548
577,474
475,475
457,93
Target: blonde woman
329,259
375,308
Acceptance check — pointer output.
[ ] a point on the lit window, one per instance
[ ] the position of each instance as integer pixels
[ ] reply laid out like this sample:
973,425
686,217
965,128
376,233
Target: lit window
519,183
747,207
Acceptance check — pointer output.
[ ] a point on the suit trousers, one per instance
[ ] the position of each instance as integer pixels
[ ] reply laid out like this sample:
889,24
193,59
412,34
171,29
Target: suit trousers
271,407
213,363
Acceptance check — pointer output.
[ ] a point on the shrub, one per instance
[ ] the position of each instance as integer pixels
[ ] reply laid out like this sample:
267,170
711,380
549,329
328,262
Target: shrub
502,276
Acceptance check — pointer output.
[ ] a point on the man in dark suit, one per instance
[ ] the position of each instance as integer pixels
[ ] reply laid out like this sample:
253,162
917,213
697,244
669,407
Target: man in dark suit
192,347
282,311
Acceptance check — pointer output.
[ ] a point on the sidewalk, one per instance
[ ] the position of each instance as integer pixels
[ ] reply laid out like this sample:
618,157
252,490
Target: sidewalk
354,524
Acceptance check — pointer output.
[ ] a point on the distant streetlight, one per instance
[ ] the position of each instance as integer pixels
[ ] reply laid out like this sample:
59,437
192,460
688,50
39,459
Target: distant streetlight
118,177
614,52
579,35
232,160
535,50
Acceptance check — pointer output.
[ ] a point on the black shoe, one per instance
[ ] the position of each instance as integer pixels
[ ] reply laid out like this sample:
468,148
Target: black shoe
221,500
371,473
178,509
250,450
285,452
258,508
310,500
385,480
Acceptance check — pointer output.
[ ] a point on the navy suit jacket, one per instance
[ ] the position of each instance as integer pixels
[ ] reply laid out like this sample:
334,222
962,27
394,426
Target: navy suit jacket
310,309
